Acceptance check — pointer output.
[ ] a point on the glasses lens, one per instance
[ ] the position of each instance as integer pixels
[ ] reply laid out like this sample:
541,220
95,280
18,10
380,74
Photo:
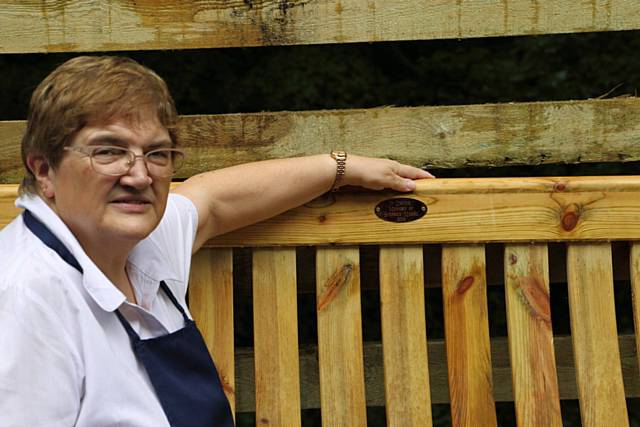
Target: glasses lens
164,162
110,160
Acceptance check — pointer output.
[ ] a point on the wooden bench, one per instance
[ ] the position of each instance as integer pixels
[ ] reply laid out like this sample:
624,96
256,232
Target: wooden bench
515,234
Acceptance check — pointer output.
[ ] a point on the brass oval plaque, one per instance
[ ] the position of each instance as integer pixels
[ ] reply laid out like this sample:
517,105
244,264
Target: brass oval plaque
400,209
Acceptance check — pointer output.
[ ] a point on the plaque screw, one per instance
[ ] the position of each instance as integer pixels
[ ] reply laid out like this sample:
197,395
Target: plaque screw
377,209
423,208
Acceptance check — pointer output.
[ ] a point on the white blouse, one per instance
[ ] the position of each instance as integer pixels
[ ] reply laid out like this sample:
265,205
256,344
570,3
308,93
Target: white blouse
65,359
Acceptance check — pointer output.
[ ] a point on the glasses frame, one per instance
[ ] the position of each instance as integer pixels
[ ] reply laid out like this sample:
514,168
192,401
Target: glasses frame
88,151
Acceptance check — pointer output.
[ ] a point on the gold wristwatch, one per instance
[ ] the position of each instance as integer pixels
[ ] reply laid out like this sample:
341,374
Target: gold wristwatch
341,159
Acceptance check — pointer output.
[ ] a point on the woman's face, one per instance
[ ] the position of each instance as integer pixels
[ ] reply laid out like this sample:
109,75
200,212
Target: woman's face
110,211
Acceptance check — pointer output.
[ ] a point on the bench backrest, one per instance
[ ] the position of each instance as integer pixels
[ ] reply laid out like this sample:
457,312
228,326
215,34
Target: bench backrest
466,225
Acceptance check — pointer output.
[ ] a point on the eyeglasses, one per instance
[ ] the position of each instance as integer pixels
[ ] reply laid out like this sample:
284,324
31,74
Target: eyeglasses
117,161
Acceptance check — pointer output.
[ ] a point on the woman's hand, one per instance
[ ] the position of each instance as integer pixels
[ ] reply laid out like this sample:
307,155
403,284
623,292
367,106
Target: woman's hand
378,174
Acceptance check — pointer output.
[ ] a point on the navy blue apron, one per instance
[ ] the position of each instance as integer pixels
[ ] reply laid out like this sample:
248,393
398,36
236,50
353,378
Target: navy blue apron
178,364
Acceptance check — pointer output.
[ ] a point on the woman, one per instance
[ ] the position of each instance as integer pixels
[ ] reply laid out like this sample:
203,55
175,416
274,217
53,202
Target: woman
93,321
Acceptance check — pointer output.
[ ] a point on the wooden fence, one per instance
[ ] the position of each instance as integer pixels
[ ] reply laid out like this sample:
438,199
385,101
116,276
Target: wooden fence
476,234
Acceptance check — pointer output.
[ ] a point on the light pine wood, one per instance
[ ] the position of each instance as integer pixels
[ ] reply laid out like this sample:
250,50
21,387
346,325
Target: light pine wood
535,381
459,210
275,328
373,368
8,211
124,25
467,336
465,210
635,291
404,337
340,354
593,328
429,137
211,303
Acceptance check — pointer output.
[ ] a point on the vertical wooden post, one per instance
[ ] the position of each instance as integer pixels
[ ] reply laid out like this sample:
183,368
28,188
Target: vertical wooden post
635,292
275,326
404,337
211,303
342,394
595,335
467,335
533,364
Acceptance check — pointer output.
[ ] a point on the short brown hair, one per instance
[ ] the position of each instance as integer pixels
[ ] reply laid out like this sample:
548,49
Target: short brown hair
88,90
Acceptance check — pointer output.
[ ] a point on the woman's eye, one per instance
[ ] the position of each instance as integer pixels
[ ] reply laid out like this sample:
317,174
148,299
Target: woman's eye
108,151
159,155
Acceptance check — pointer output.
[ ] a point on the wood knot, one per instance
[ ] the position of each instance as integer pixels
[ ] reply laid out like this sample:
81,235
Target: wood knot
535,297
322,219
513,259
336,282
559,186
570,220
465,284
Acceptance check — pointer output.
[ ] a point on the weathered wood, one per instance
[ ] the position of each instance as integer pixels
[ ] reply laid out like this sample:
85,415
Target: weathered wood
428,137
502,387
275,329
535,381
211,303
635,290
594,332
125,25
404,337
342,392
466,325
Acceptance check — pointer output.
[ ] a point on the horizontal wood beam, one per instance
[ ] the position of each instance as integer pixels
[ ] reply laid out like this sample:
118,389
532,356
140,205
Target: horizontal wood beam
124,25
502,386
458,210
490,135
464,210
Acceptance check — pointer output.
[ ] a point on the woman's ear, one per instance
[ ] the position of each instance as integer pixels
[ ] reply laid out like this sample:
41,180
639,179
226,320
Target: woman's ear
39,167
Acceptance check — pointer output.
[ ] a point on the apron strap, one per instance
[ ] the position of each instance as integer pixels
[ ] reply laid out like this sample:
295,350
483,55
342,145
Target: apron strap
48,238
167,291
133,335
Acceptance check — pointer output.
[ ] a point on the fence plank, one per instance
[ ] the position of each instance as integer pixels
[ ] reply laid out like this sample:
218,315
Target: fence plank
634,262
124,25
535,381
593,327
275,330
467,335
340,354
404,337
429,137
211,303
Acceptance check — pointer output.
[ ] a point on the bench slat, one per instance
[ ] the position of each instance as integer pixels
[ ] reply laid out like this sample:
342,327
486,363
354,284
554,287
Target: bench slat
595,337
404,337
465,210
275,327
467,335
535,381
125,25
459,210
340,351
635,291
211,303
